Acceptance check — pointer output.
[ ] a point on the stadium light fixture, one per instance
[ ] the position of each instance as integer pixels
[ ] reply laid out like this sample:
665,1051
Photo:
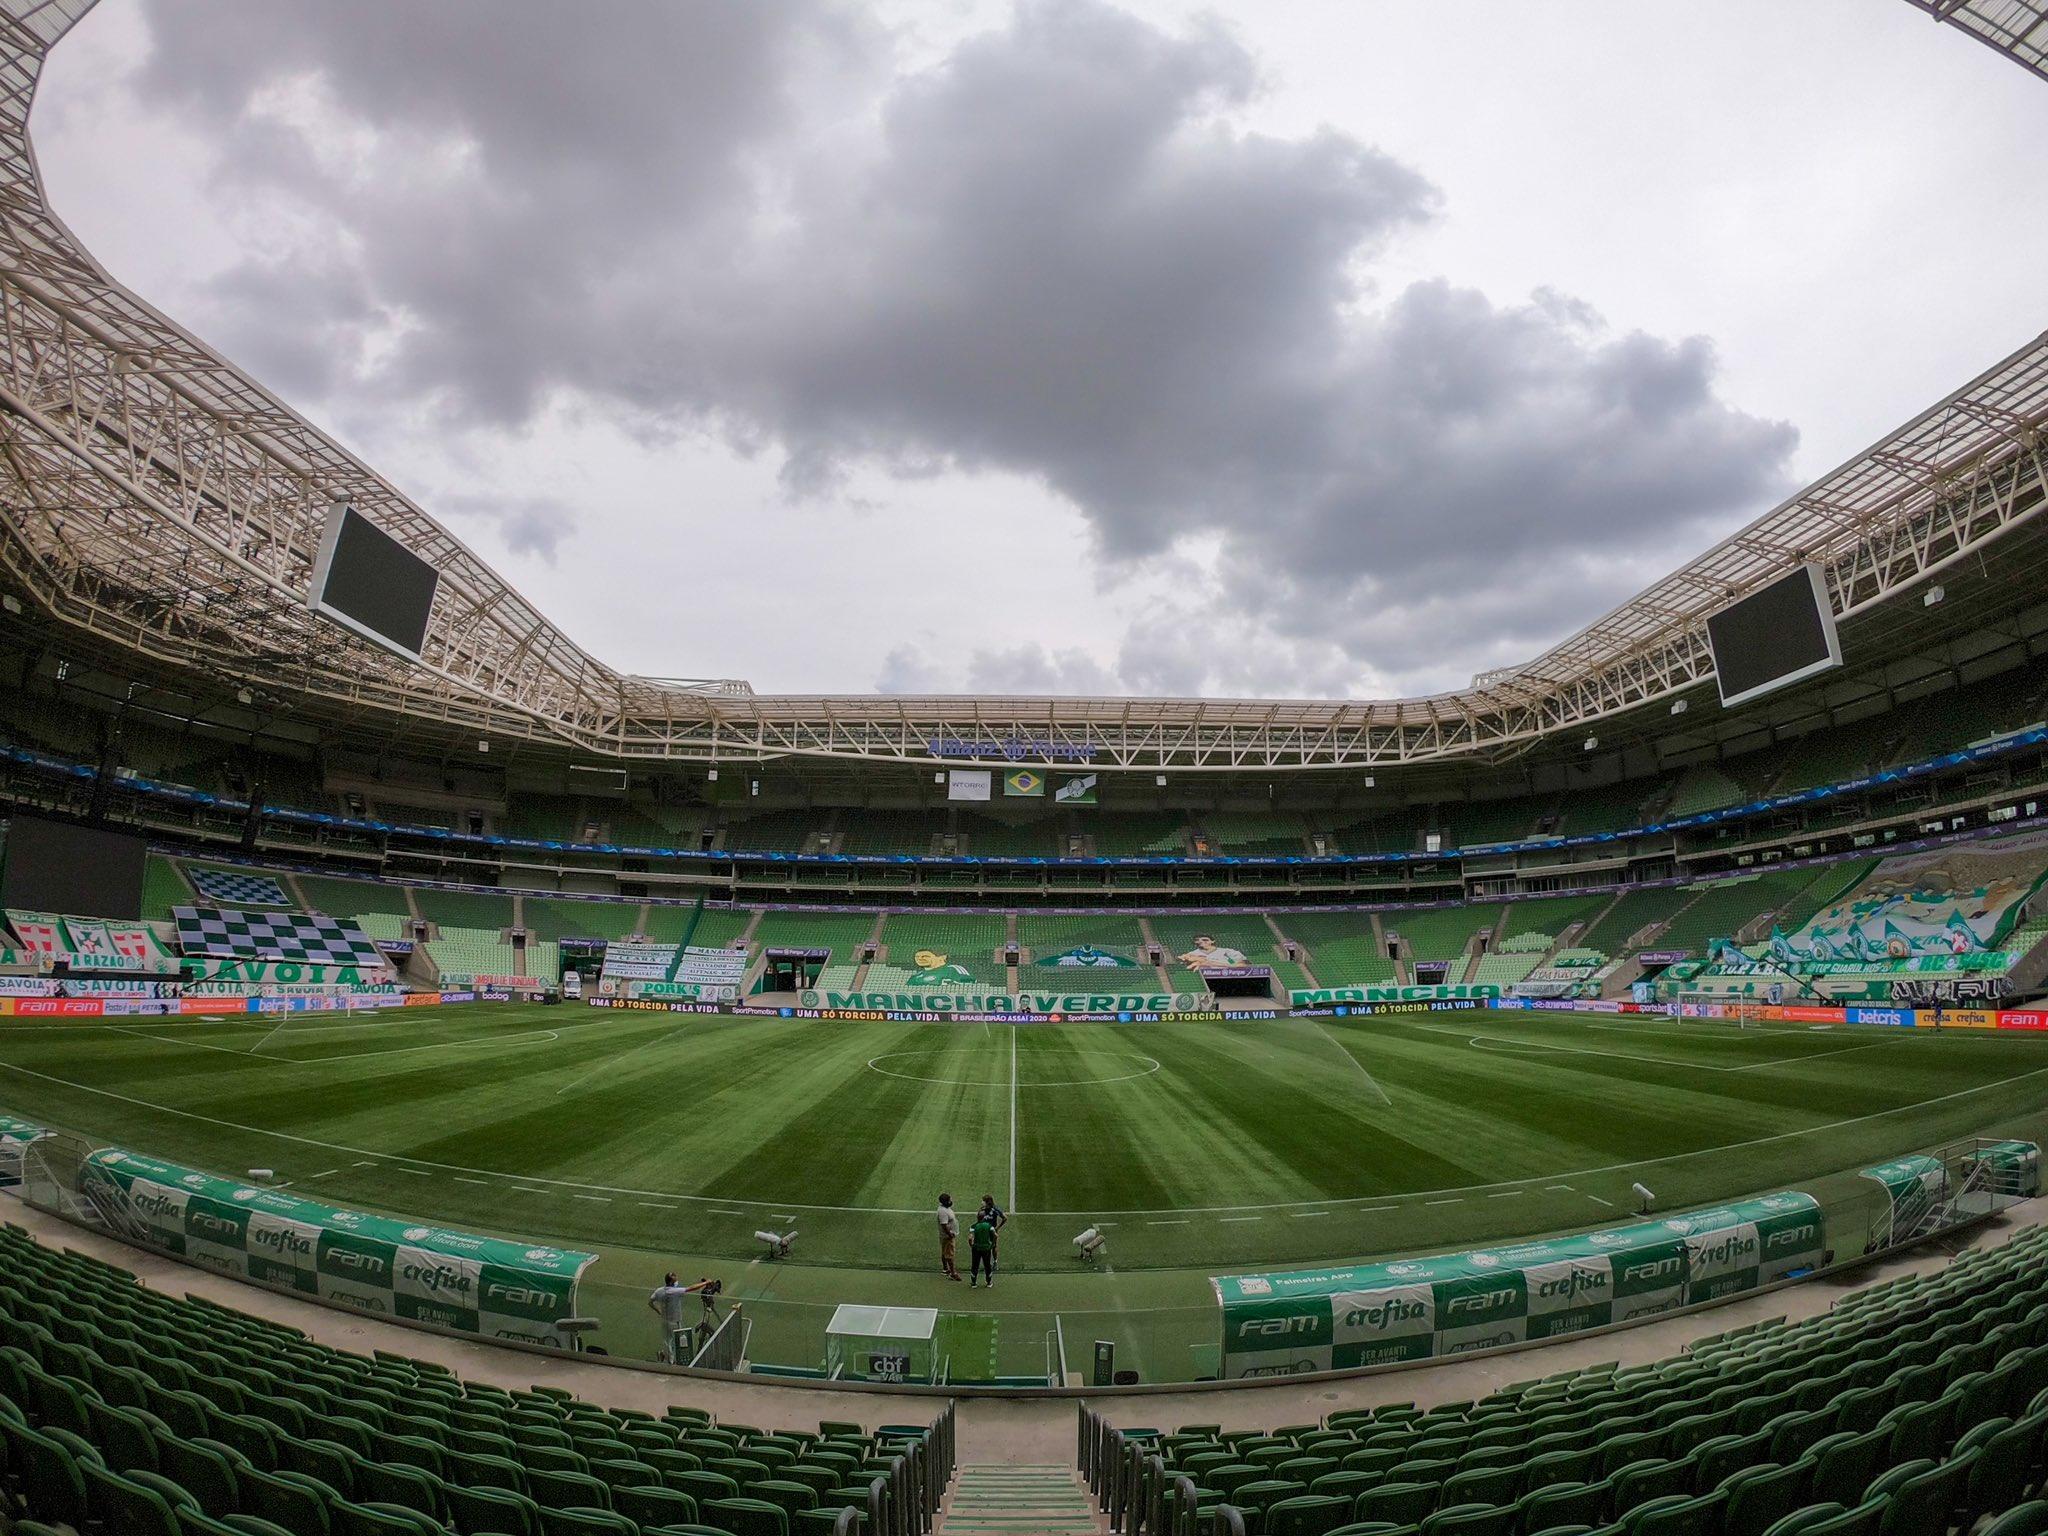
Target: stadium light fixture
1091,1243
1591,743
245,696
1370,781
711,774
1679,706
11,603
1934,595
779,1243
1159,779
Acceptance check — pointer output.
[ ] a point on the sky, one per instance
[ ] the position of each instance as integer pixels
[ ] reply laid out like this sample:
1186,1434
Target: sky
1298,349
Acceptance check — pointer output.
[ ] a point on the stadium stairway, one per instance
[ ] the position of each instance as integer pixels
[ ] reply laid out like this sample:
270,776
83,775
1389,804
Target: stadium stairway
1019,1501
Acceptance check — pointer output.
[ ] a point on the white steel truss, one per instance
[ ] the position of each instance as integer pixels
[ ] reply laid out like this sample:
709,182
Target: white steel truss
154,498
2016,28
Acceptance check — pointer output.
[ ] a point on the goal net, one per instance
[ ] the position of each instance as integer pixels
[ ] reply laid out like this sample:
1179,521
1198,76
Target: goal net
1717,1008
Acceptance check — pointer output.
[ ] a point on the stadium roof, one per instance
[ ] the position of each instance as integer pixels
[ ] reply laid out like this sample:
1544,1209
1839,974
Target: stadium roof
2016,28
168,510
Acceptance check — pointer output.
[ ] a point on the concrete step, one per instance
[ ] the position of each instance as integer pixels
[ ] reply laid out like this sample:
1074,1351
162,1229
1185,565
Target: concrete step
991,1500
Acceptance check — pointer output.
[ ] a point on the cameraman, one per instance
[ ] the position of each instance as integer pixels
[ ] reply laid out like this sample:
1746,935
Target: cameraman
667,1302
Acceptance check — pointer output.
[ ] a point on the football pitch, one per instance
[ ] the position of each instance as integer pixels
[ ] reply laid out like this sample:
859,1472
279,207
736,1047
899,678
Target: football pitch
667,1140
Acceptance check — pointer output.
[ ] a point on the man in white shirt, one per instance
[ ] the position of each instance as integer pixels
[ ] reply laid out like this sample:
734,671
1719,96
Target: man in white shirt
666,1302
949,1234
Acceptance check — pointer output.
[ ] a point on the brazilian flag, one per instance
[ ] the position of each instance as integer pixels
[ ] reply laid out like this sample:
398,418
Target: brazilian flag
1023,782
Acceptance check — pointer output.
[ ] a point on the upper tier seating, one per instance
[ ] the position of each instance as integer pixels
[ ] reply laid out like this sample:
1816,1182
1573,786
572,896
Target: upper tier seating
128,1413
1914,1408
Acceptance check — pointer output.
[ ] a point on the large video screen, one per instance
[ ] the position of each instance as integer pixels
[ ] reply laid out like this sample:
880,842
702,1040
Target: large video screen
370,582
1776,636
56,866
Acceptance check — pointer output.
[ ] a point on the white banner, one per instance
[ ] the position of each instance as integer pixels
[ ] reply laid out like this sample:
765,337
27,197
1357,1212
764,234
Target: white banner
968,783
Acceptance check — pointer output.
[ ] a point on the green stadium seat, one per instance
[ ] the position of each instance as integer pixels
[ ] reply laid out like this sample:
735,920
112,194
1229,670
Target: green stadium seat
1309,1514
651,1506
748,1517
380,1520
118,1504
2023,1520
1471,1520
492,1512
585,1522
1864,1519
1398,1503
1760,1496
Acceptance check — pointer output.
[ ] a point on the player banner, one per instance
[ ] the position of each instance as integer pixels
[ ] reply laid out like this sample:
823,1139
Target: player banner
1414,1309
482,1285
1013,1002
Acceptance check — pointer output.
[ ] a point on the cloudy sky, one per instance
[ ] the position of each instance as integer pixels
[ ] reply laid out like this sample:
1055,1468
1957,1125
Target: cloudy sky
1297,348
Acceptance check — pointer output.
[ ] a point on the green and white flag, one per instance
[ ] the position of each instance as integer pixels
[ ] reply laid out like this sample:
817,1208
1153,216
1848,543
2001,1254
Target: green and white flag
1079,790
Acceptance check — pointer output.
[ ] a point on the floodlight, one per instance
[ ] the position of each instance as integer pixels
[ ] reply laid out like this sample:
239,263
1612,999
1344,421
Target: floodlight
1679,706
1091,1243
1643,1194
711,774
262,1175
1934,595
779,1243
1592,742
11,603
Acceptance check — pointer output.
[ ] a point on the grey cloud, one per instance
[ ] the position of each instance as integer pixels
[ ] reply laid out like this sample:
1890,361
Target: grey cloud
1054,254
529,525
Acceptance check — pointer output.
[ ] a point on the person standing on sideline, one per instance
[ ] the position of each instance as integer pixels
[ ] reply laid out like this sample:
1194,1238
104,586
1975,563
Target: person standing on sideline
991,1212
666,1302
981,1242
949,1234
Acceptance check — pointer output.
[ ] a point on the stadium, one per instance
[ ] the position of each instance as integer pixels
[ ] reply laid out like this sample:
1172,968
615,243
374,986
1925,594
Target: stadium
1605,1098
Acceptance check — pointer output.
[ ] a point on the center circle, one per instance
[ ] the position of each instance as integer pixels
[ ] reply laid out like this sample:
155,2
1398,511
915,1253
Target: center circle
1150,1066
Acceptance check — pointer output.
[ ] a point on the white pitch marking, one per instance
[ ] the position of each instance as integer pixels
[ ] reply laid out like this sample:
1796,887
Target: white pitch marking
654,1205
418,1173
463,1179
1505,1194
1240,1218
594,1199
1179,1221
324,1173
617,1060
1370,1081
1454,1199
1608,1203
1306,1215
1276,1205
1013,1122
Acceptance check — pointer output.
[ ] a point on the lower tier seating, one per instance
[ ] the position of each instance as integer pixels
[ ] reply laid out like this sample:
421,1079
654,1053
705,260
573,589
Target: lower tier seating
127,1412
1915,1408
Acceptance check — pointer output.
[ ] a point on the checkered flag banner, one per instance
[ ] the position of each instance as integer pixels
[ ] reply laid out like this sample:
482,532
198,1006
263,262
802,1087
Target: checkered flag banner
306,937
232,888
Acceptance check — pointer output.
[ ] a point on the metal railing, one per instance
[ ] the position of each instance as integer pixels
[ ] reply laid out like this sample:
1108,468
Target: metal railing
905,1500
1142,1496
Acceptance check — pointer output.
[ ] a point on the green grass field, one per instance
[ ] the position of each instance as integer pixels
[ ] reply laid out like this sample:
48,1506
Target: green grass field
664,1139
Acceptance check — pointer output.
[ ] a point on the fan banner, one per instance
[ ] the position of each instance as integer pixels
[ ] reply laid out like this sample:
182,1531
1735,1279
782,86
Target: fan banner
483,1285
1413,1309
1012,1002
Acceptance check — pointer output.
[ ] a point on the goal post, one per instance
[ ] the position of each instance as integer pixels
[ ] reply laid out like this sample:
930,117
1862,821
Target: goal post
1718,1008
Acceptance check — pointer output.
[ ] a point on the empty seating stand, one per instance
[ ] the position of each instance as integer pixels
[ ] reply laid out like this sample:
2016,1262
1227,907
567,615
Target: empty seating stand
1915,1408
125,1412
